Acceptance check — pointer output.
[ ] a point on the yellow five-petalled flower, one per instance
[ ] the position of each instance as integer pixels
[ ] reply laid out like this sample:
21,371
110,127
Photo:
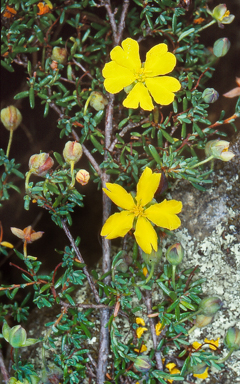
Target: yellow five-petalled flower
145,80
138,213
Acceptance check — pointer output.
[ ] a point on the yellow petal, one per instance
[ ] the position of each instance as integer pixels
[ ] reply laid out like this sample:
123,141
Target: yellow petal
159,61
145,235
117,225
170,366
196,344
128,55
147,186
158,328
119,196
143,349
17,232
140,321
139,95
214,342
174,371
140,331
164,214
116,77
7,244
203,375
162,88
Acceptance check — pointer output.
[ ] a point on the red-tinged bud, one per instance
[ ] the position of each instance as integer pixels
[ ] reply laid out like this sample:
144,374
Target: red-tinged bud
202,320
143,363
210,305
11,117
72,152
98,101
221,47
40,164
82,177
59,55
210,95
175,254
232,339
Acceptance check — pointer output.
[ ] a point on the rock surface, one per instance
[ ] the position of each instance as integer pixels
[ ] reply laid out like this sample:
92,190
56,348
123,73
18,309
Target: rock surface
210,235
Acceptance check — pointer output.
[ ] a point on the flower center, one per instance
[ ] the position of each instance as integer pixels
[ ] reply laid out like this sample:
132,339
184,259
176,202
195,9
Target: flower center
138,211
226,14
141,75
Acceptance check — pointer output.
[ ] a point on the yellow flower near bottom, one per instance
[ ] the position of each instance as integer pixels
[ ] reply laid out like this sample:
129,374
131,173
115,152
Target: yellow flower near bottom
203,375
138,213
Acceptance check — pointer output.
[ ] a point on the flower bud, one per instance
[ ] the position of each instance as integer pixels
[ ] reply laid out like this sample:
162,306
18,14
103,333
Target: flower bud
175,254
210,305
72,151
82,177
210,95
59,55
232,339
40,164
17,336
219,149
152,258
143,363
11,117
98,100
202,320
221,47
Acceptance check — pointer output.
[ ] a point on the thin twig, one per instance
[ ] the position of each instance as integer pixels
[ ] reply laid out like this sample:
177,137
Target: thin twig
128,127
80,258
82,68
121,25
106,260
107,5
92,160
158,357
4,371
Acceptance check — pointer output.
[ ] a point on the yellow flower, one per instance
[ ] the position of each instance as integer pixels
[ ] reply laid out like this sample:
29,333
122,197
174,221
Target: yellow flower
203,375
142,349
126,70
172,369
214,342
140,331
140,321
137,212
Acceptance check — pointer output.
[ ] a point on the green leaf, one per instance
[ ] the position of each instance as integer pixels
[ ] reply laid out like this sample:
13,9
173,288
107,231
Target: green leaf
155,154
